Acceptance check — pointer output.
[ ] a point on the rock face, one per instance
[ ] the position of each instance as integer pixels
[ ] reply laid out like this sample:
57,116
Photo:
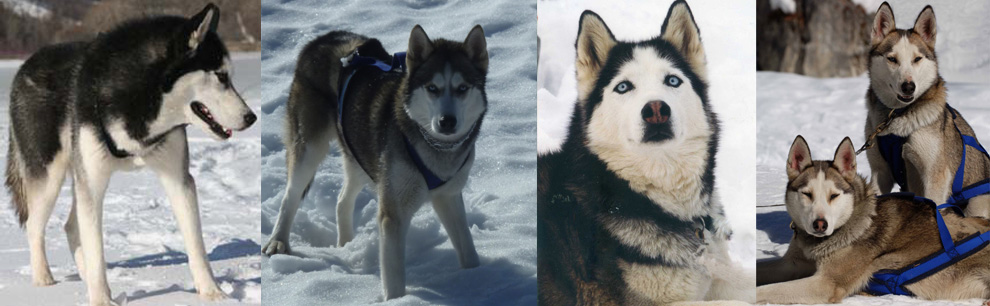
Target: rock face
822,38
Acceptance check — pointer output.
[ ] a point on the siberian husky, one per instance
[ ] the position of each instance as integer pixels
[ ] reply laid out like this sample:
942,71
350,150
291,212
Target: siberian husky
905,85
627,209
844,233
117,102
411,133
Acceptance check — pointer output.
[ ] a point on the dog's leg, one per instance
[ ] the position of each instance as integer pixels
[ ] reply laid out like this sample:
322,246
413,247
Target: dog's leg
171,163
302,168
793,265
450,209
354,181
978,207
810,290
72,235
881,171
91,174
395,211
40,195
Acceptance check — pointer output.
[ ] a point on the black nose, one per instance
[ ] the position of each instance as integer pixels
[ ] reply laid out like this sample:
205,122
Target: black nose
250,118
656,112
907,88
447,124
820,225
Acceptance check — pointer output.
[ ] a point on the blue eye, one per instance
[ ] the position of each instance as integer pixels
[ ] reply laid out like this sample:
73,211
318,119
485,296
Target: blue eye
623,87
432,88
673,81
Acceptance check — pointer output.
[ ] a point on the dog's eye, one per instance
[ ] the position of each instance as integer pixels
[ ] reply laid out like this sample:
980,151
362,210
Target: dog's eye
807,194
917,59
462,88
892,59
623,87
673,81
223,77
833,196
432,88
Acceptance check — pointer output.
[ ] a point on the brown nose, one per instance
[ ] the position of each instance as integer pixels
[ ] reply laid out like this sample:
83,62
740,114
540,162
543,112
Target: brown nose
656,112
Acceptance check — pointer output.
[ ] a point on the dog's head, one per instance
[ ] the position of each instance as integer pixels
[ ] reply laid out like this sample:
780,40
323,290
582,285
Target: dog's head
446,86
198,82
902,62
820,194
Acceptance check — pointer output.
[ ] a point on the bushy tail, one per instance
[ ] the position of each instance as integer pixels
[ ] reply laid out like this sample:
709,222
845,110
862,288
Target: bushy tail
15,183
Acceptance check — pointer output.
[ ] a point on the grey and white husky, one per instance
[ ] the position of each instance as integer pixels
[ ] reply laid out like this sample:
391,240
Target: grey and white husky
403,131
904,81
118,102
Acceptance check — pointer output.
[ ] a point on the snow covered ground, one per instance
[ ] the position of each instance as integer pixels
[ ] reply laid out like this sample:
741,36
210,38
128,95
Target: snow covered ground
826,110
501,192
144,247
728,33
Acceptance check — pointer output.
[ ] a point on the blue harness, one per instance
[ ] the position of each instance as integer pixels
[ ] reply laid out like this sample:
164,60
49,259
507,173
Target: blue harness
398,65
894,281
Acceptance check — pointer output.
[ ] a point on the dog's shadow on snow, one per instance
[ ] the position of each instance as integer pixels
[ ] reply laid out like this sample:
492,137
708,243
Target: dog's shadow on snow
777,226
233,249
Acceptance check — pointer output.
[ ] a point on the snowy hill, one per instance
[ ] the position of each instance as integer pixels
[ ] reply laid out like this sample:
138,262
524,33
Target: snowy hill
27,8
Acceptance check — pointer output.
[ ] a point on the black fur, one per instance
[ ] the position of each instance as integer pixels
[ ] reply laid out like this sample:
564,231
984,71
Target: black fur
577,255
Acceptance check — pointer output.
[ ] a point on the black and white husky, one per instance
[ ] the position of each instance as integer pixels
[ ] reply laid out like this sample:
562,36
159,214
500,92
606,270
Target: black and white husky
627,209
118,102
411,133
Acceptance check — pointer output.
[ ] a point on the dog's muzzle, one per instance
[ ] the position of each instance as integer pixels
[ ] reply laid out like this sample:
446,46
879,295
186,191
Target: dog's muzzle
656,118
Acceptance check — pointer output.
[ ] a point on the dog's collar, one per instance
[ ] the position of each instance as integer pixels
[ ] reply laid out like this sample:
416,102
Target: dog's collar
443,145
120,153
432,180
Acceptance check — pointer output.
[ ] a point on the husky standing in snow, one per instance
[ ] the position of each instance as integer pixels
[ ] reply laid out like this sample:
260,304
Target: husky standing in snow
922,145
844,233
627,209
118,102
411,133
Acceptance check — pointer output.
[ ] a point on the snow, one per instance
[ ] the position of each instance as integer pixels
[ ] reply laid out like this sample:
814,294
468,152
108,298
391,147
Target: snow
728,34
501,210
28,8
144,247
826,110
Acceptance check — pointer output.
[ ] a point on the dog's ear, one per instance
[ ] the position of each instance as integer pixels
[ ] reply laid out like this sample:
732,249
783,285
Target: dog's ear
883,24
477,47
420,47
845,158
925,26
798,158
680,30
594,41
202,23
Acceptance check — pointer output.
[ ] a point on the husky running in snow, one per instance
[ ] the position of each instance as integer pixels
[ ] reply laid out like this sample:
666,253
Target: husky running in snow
409,133
118,102
628,214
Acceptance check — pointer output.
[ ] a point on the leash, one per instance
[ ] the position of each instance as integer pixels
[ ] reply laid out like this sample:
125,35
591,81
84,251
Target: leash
397,64
880,128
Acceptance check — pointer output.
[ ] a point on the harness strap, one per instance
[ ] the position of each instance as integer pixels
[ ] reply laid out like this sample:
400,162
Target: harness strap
398,63
895,282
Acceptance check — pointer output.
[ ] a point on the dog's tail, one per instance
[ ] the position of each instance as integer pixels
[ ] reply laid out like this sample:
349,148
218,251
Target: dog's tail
15,183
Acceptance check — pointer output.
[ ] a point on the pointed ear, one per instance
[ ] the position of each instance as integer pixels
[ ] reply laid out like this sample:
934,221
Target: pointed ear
798,158
845,158
202,23
477,48
680,30
925,26
594,41
420,47
883,24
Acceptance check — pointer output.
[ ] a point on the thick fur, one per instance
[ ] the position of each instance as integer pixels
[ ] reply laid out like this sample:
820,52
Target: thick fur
625,218
934,148
878,234
118,102
443,79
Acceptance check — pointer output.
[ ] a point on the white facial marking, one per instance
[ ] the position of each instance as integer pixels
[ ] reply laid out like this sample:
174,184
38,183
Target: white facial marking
444,96
804,210
890,71
224,106
668,172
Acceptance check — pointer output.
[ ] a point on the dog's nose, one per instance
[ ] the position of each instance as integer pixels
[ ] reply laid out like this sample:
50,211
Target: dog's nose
907,87
447,124
250,118
656,112
820,225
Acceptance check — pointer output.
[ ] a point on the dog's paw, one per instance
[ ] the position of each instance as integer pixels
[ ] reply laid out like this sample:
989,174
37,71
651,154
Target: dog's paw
275,246
43,280
213,294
